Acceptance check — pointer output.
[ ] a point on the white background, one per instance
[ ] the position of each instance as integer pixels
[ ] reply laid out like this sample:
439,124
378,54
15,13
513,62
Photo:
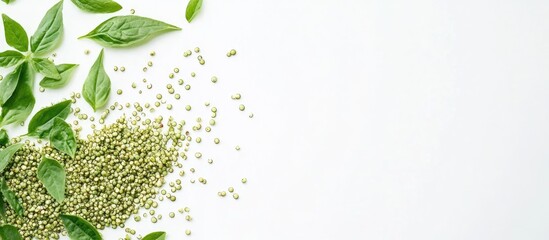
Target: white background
373,119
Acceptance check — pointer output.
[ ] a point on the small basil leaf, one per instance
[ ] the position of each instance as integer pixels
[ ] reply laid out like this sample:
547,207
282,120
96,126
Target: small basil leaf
125,31
97,87
4,138
15,34
79,229
42,122
65,71
7,1
7,154
155,236
10,58
50,30
11,198
97,6
10,232
45,67
3,208
193,7
52,175
62,137
19,106
10,82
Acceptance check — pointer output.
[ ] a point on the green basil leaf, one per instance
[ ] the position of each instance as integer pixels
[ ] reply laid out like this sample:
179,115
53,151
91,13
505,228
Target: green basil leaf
97,87
4,138
65,71
62,137
42,122
97,6
10,232
155,236
45,67
3,208
193,7
10,82
50,30
11,198
10,58
7,154
15,34
19,106
52,175
7,1
125,31
79,229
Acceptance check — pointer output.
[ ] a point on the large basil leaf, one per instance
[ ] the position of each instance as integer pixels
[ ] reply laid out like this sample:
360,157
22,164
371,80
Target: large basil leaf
19,106
97,87
125,31
97,6
4,138
193,7
79,229
45,67
50,30
62,137
7,1
7,154
11,198
15,34
65,71
52,175
10,58
155,236
42,122
10,232
10,82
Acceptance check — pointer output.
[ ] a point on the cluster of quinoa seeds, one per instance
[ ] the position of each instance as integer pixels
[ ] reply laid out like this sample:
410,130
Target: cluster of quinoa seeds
118,170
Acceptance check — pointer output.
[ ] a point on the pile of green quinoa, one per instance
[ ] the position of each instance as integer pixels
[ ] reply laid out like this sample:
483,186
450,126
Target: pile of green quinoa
117,170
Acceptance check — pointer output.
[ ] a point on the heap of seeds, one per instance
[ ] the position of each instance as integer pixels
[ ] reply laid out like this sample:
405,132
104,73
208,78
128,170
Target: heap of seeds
116,171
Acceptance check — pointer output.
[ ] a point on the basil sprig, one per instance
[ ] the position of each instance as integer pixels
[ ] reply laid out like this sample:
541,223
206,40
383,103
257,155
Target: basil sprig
16,96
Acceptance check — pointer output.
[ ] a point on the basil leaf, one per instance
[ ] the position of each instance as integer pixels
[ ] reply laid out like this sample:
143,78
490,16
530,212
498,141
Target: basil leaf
42,122
7,154
15,34
7,1
45,67
10,58
49,31
97,87
79,229
19,106
62,137
125,31
10,232
11,198
4,138
97,6
52,175
65,71
193,7
3,208
155,236
10,82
